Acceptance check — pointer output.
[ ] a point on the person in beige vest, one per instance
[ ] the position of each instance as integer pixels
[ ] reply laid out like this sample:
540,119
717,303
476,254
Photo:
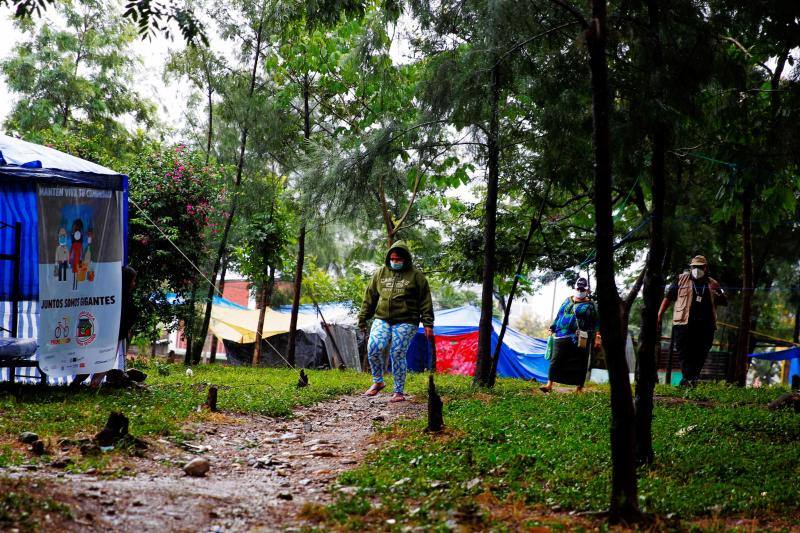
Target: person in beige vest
694,320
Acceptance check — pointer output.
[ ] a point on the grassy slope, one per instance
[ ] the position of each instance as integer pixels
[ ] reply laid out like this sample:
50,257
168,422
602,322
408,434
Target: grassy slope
165,405
725,456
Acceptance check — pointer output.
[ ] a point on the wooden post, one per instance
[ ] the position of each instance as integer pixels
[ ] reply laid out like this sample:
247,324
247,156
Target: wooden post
211,402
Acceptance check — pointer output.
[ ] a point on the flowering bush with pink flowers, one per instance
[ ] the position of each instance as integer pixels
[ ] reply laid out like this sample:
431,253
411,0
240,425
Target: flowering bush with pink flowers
174,196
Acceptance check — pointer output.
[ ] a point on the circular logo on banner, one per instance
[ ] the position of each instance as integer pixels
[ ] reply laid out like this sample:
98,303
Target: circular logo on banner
86,333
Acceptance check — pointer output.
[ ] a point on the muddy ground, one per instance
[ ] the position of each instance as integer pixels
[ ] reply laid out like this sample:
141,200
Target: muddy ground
263,472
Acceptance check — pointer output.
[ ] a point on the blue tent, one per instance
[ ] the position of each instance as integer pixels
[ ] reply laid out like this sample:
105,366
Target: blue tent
173,299
792,355
520,356
23,167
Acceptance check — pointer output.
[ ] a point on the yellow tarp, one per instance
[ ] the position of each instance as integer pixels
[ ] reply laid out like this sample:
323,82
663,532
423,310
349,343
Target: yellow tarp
240,325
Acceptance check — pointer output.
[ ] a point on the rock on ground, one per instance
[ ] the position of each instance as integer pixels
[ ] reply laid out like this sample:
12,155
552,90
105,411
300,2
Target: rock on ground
197,467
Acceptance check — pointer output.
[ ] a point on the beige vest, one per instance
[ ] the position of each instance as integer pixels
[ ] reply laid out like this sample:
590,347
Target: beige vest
683,303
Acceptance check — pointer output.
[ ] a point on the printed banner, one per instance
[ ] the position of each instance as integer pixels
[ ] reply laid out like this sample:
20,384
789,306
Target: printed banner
80,279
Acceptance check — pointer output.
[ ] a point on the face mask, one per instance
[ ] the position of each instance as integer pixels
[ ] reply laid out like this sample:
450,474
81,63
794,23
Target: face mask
698,273
396,265
76,235
580,294
89,240
62,240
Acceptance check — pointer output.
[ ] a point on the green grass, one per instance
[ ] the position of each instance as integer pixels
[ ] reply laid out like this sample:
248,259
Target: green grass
735,458
507,456
164,406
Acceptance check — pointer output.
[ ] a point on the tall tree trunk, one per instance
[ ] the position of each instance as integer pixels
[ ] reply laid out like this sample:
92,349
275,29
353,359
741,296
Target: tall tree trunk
646,369
626,304
534,225
298,286
484,363
270,286
262,312
624,503
212,358
386,213
223,243
743,339
188,330
301,240
650,337
264,301
210,133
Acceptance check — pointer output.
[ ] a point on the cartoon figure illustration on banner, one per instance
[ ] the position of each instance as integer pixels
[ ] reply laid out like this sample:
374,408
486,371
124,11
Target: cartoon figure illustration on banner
87,255
62,255
76,251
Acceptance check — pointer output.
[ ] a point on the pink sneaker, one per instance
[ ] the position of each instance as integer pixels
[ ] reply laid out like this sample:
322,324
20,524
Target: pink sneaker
375,389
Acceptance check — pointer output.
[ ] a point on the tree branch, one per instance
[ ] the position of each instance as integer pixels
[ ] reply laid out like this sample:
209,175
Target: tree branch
579,18
531,39
634,292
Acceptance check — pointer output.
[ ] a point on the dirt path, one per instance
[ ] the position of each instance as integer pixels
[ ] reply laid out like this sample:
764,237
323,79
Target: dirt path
263,470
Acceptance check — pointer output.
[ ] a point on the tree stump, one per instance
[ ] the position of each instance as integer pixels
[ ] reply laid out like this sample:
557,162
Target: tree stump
115,429
211,401
302,381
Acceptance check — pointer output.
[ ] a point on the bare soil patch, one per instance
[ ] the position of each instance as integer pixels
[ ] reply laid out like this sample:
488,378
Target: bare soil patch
263,471
678,400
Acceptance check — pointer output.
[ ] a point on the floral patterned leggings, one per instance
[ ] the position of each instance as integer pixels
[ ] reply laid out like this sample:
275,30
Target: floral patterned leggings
396,337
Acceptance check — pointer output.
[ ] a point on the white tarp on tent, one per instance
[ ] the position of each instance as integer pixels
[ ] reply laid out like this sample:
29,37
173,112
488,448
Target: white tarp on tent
18,152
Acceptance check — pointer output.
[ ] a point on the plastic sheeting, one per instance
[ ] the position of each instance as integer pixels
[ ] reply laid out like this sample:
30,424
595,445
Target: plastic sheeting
792,355
240,325
346,345
310,351
18,204
780,355
334,313
456,332
23,166
173,299
21,153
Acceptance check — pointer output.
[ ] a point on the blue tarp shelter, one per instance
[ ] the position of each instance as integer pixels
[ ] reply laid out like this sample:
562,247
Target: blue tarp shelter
792,355
520,356
173,299
24,166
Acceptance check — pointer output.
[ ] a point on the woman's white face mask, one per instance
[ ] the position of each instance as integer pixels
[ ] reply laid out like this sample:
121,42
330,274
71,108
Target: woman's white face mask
698,273
580,294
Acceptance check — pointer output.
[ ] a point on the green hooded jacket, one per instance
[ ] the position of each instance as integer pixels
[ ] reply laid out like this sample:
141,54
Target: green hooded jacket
398,296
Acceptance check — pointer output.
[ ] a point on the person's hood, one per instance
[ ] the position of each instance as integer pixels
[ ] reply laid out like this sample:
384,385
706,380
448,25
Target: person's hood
402,248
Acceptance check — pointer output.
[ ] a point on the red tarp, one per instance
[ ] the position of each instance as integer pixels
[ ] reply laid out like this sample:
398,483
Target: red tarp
457,354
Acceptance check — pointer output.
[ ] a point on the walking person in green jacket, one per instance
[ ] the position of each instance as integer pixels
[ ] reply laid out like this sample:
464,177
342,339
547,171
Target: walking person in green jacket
399,298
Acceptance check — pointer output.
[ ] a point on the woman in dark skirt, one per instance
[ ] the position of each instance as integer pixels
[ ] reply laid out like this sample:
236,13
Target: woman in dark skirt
573,329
